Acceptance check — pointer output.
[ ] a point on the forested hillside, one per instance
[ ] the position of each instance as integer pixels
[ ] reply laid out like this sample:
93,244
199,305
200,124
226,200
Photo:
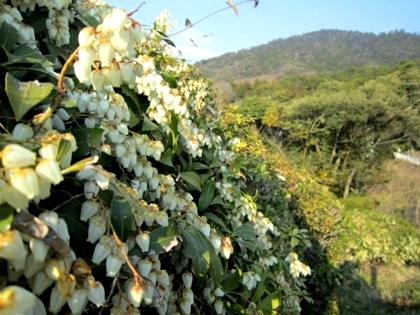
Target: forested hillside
325,50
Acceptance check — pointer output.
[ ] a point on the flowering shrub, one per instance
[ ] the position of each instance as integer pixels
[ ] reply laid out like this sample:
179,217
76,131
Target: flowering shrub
117,191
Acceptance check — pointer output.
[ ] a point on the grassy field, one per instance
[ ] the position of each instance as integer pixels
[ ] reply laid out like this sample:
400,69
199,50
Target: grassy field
380,290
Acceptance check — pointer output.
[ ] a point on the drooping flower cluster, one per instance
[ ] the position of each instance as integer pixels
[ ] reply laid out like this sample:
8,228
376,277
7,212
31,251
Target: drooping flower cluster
296,266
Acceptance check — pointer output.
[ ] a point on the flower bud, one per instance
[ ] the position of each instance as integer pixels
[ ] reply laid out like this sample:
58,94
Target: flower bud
86,57
135,293
162,218
41,283
113,264
78,301
138,34
98,79
15,155
56,301
66,286
119,19
32,266
55,269
97,228
96,293
143,241
89,209
82,72
187,279
22,132
145,267
218,306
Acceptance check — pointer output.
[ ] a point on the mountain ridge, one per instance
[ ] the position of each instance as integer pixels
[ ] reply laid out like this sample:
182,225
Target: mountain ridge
318,51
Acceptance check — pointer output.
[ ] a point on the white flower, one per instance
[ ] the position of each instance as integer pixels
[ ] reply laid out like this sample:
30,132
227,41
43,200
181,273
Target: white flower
25,181
56,301
15,155
49,171
89,209
87,37
96,293
187,279
143,241
97,228
135,293
78,301
113,264
16,300
11,246
22,132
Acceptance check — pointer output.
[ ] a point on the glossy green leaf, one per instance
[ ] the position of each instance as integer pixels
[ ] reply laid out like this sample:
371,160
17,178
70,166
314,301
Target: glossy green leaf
25,95
166,158
163,239
87,138
170,79
231,281
121,217
216,219
218,201
6,216
206,196
192,178
202,254
9,36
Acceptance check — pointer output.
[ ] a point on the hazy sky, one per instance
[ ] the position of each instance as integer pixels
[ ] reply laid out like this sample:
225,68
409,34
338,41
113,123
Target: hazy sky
272,19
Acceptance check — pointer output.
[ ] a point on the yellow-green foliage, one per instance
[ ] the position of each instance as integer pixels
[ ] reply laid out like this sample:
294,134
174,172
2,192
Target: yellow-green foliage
370,235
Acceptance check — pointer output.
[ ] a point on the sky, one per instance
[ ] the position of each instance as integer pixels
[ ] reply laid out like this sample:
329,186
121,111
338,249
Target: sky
227,31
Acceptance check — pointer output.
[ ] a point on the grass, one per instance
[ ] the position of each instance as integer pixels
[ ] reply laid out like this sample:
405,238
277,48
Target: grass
380,290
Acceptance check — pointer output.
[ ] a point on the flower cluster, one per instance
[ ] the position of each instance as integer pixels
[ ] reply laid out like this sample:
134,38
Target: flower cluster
296,266
13,17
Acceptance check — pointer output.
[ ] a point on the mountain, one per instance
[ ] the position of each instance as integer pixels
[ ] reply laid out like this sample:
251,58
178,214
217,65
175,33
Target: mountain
325,50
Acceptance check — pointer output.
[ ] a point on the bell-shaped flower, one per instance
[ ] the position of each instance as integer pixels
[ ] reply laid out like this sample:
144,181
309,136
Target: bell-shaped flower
89,209
135,293
96,293
41,282
143,241
145,267
102,251
97,228
78,301
49,171
56,301
98,79
86,56
82,72
114,263
66,286
106,53
16,300
39,249
15,155
22,132
187,279
14,198
25,181
11,246
87,37
55,269
32,266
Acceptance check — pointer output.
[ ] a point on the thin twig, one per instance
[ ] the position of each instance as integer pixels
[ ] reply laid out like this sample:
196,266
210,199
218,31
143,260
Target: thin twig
69,61
209,15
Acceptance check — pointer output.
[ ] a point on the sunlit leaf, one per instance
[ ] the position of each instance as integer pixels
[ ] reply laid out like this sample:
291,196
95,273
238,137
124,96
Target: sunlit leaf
25,95
121,217
270,303
206,195
163,239
170,79
294,241
63,148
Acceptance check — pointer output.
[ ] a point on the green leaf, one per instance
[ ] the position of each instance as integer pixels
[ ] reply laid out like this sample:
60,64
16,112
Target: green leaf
206,195
188,23
245,231
163,239
63,148
87,138
270,303
6,216
218,201
231,281
27,54
25,95
166,158
214,218
294,241
121,217
9,36
148,125
192,178
260,288
202,254
170,79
